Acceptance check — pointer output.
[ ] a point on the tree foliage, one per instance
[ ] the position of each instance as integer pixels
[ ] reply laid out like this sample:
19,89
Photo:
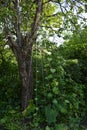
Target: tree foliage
57,99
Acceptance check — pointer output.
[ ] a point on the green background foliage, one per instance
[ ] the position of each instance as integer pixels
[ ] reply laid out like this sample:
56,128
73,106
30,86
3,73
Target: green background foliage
59,73
59,99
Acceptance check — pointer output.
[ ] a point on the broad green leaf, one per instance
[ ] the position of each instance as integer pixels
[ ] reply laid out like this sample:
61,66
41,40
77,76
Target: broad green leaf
53,70
50,114
49,76
49,95
61,127
55,90
47,128
49,59
62,109
55,102
3,121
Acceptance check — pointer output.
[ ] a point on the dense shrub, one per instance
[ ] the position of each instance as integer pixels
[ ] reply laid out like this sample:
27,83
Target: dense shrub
58,100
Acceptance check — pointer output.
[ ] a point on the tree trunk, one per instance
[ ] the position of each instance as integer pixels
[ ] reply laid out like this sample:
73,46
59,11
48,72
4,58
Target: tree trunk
22,44
25,71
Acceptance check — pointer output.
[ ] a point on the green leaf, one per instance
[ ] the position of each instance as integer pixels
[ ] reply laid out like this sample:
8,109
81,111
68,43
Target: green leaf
55,101
55,90
49,59
3,121
53,70
67,101
49,76
49,95
47,128
61,127
62,109
50,114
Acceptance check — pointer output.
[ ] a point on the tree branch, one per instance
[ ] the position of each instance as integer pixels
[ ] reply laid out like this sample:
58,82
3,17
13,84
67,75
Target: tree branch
37,17
18,22
31,37
13,45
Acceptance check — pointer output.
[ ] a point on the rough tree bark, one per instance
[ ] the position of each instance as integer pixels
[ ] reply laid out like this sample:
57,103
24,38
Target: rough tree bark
22,48
25,72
